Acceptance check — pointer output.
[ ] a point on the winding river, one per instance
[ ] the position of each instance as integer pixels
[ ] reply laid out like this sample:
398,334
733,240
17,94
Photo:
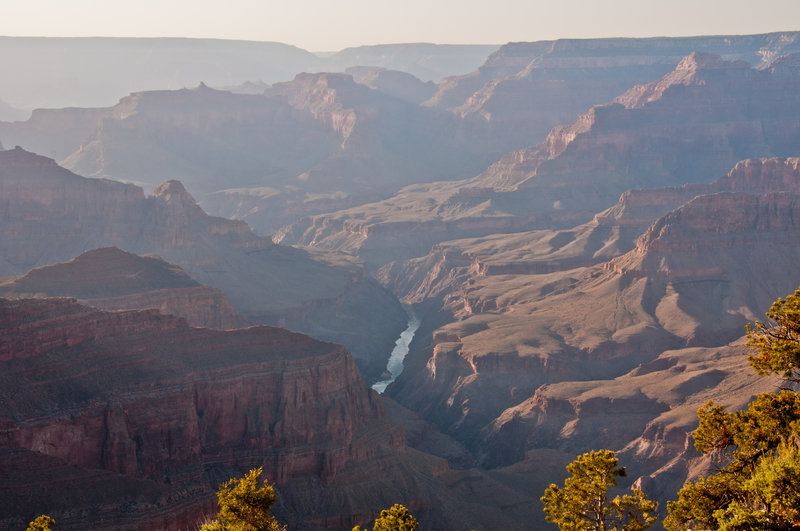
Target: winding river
398,355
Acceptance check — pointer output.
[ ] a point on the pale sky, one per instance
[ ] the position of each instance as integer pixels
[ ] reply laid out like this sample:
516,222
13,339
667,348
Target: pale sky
329,25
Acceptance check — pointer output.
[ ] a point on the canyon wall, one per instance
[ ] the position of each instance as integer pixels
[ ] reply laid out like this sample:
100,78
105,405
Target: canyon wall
691,126
168,410
50,215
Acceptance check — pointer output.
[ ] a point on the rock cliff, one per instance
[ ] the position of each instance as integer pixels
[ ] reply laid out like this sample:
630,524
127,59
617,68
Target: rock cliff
618,354
168,410
130,420
50,215
317,143
688,127
525,89
451,264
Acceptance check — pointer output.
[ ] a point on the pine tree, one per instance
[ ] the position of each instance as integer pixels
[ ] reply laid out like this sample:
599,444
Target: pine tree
397,518
583,502
758,484
244,505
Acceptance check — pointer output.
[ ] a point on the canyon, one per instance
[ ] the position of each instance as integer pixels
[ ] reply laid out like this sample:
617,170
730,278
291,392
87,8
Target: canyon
51,215
161,411
690,126
581,228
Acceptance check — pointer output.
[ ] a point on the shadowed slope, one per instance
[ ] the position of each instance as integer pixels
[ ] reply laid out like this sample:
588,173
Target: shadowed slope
51,215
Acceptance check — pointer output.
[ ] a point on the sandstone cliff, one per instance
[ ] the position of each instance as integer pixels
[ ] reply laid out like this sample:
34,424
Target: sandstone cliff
525,89
450,264
130,420
317,143
168,410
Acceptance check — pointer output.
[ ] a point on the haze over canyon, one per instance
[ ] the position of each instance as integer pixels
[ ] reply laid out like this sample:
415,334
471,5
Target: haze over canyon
564,239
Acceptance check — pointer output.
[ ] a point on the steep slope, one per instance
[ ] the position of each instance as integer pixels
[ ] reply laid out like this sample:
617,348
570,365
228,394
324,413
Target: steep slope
166,411
644,415
525,89
698,120
689,282
318,143
113,279
50,215
130,419
611,233
694,123
586,346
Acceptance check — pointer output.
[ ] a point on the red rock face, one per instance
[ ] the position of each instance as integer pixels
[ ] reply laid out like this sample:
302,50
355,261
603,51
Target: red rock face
695,122
170,410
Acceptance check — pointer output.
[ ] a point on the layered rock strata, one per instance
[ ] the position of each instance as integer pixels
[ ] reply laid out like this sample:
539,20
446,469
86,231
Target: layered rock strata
693,124
168,410
619,354
50,215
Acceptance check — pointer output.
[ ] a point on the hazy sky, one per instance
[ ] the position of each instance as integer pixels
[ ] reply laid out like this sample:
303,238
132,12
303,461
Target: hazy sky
327,25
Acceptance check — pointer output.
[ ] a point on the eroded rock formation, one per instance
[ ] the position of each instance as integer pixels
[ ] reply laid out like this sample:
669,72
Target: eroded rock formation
112,279
690,126
168,410
50,215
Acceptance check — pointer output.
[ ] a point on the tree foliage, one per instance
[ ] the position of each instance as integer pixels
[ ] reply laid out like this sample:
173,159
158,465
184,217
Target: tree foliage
42,523
583,502
397,518
244,505
775,343
758,483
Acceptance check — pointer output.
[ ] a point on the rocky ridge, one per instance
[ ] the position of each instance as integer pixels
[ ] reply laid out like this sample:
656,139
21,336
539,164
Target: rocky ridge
708,114
527,350
523,90
112,279
613,232
132,418
51,215
317,143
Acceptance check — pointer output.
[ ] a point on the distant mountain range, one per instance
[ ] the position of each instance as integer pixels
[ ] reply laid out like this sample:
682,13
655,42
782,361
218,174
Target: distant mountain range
54,72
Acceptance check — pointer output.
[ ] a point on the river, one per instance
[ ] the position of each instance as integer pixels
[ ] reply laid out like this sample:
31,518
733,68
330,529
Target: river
398,355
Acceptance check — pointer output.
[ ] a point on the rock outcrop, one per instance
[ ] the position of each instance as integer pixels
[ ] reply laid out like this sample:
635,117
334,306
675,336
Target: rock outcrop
692,125
524,89
615,231
318,143
50,215
130,420
544,360
112,279
167,411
